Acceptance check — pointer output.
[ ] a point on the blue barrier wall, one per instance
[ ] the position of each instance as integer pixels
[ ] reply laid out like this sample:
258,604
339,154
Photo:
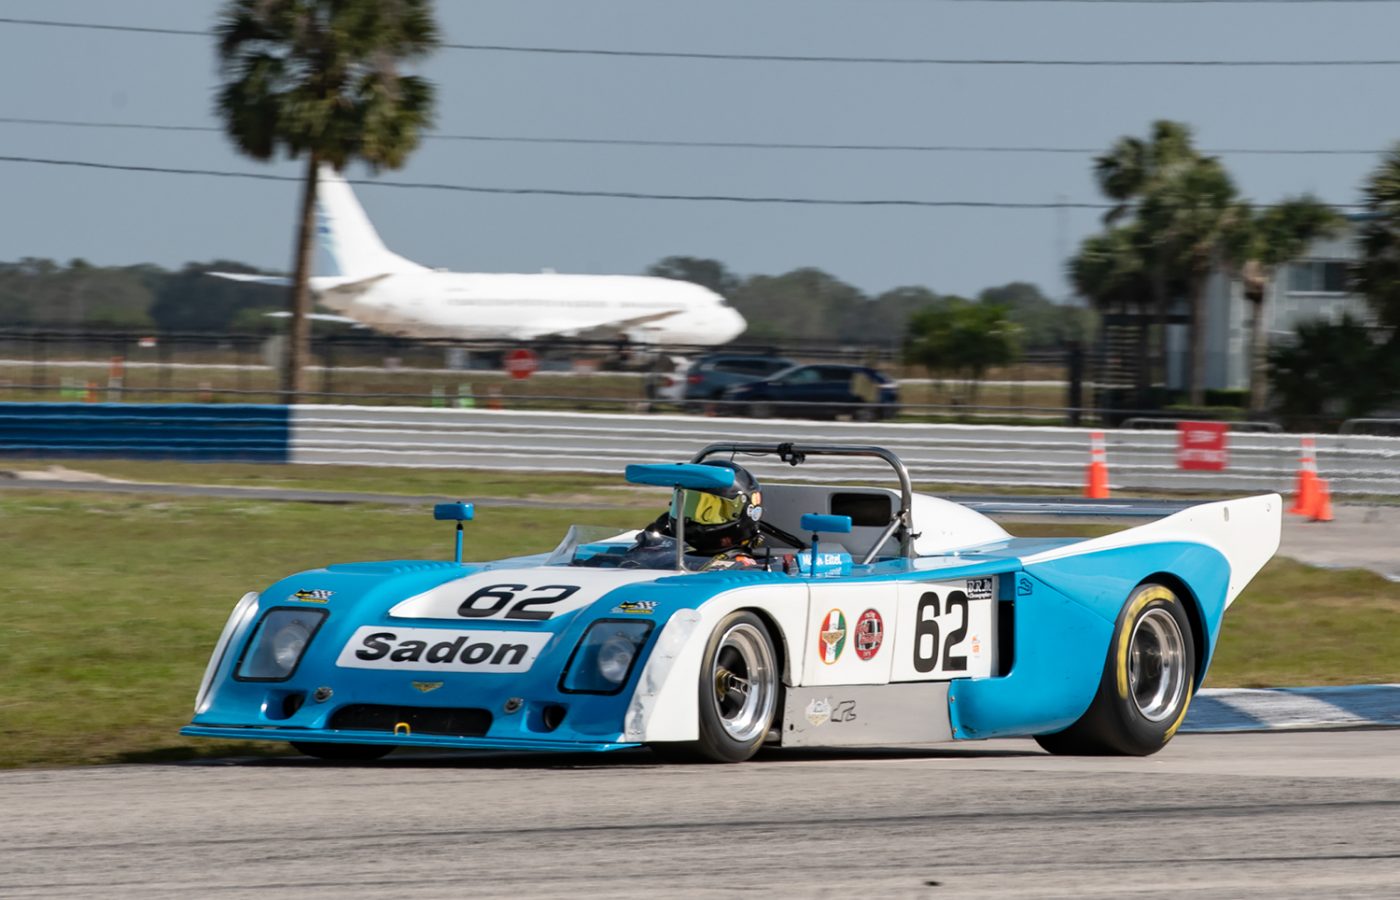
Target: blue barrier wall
210,432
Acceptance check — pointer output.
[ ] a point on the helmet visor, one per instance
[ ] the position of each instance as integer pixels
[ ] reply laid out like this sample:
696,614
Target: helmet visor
709,509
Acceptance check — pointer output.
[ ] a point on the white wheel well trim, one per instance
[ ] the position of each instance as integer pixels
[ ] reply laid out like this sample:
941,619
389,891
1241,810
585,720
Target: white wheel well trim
665,704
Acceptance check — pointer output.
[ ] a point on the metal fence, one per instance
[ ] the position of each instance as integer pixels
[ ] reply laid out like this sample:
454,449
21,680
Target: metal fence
987,455
935,454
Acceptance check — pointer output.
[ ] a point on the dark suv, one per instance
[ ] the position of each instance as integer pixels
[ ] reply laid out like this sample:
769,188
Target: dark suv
818,392
708,376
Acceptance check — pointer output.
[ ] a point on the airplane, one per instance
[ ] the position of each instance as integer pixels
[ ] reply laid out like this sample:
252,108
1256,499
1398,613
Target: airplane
381,290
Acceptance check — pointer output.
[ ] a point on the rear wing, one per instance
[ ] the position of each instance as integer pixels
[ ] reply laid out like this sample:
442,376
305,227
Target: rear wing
1245,531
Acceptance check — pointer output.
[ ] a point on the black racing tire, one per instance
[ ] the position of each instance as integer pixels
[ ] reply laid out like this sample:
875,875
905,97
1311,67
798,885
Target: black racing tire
733,722
863,414
1147,684
343,752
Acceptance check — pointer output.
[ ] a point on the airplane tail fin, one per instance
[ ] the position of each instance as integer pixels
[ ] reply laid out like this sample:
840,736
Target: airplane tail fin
347,234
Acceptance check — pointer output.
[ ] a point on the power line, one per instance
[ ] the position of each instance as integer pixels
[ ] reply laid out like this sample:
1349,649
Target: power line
563,192
1182,2
929,60
804,58
94,26
729,145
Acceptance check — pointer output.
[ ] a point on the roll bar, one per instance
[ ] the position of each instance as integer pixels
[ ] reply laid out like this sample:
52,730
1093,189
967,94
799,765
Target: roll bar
796,454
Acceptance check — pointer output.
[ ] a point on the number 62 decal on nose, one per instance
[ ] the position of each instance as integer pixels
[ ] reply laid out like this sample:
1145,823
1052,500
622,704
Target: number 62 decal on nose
517,594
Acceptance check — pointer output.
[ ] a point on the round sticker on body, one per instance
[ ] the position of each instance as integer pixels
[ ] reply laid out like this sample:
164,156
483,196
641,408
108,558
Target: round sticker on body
870,633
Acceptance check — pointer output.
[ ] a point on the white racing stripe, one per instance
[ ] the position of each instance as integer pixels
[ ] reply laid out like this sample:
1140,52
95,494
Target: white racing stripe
519,595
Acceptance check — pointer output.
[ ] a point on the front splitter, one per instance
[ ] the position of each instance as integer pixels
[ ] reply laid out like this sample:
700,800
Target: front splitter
401,740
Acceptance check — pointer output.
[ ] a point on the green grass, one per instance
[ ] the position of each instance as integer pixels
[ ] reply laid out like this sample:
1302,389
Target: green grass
465,483
544,390
1296,624
113,603
1299,625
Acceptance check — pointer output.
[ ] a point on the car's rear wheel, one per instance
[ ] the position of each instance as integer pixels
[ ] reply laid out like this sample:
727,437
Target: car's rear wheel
343,752
1146,685
739,691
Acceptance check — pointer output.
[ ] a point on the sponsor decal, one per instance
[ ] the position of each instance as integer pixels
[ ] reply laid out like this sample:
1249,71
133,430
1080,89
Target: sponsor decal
870,633
1023,587
831,640
823,709
636,607
313,596
426,686
441,650
979,589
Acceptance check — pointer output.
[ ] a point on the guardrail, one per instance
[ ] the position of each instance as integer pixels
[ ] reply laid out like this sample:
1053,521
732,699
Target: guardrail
208,432
990,455
935,454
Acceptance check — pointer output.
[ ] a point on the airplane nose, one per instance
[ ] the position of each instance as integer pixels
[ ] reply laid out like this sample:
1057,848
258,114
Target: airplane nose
729,324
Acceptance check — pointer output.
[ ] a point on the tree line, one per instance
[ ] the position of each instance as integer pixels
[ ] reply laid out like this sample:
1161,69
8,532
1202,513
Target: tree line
804,304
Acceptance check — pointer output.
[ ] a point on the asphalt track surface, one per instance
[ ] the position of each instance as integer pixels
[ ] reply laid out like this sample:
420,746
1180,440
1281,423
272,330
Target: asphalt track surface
1242,815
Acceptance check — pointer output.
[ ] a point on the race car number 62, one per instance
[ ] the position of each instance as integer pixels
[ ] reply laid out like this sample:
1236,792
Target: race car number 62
490,600
926,634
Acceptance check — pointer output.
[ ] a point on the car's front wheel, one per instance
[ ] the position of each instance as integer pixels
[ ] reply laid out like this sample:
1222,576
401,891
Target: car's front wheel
1146,685
343,752
739,691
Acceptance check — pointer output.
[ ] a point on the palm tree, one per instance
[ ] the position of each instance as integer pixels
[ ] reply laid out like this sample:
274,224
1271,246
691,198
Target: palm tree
1265,241
1108,272
1181,203
320,79
1190,216
1127,174
1378,274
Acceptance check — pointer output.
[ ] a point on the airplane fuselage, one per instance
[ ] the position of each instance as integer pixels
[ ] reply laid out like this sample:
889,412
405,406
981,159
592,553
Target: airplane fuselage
523,307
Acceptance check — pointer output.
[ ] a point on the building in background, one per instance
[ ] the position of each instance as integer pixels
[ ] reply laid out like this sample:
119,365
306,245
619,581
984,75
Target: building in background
1313,287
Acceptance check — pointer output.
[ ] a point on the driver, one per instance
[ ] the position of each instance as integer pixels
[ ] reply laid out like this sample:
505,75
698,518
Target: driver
721,525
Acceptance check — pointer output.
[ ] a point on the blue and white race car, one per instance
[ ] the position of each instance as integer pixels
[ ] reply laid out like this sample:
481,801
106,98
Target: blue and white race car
843,616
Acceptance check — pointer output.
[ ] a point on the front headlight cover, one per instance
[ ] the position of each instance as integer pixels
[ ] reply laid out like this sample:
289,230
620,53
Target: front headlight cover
277,646
604,659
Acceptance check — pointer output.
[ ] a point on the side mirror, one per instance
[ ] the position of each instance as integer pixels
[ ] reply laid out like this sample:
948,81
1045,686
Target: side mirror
816,523
454,512
826,524
458,512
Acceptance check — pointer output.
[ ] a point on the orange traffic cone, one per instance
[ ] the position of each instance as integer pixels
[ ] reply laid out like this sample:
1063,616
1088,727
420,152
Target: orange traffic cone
1096,483
1322,506
1305,492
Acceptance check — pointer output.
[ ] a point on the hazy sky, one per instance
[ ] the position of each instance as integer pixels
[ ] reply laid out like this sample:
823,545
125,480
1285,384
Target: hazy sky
120,218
